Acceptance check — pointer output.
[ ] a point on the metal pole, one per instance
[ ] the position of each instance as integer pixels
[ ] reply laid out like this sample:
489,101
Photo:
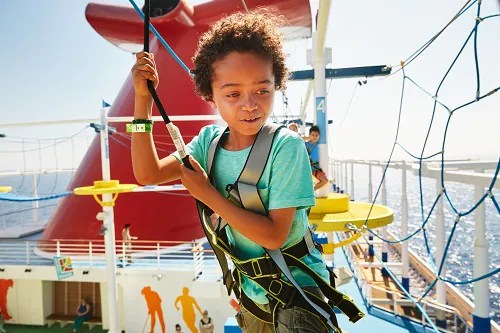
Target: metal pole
385,246
440,241
320,57
319,64
405,281
109,234
481,315
337,176
371,249
352,181
341,180
346,188
334,173
35,202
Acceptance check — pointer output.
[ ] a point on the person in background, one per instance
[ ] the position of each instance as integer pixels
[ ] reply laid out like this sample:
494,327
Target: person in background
206,324
2,321
293,127
313,151
127,244
82,314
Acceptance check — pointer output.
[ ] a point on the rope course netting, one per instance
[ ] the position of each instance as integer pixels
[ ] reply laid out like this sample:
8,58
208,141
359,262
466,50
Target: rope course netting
34,180
421,158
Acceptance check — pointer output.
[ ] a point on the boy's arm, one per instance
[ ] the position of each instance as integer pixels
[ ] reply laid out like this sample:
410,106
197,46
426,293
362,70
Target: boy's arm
268,231
148,168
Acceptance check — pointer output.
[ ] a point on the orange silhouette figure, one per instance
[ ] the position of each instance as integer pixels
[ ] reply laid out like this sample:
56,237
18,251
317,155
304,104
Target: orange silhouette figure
188,304
153,301
4,287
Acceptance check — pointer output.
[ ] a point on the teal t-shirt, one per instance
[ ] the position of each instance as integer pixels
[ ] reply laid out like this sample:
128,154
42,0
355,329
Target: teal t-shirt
286,182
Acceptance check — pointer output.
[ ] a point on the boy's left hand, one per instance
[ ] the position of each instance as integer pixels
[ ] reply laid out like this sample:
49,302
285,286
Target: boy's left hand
196,182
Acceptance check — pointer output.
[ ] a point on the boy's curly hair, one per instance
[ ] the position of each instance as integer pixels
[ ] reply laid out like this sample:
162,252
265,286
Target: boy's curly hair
256,31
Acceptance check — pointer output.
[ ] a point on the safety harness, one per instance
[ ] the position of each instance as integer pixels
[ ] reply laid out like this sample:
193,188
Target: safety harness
270,271
314,164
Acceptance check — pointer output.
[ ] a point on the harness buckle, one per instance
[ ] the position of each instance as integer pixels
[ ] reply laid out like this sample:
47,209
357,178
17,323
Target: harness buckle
275,287
256,267
309,241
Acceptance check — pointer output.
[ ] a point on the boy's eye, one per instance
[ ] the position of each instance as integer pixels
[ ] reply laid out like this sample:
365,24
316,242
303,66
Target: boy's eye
263,92
232,95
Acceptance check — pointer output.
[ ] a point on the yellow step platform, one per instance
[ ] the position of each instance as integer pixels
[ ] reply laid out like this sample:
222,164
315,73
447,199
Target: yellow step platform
105,187
5,189
334,203
335,212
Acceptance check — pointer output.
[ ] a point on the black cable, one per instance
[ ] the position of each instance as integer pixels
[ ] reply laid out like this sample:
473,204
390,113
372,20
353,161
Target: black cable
172,129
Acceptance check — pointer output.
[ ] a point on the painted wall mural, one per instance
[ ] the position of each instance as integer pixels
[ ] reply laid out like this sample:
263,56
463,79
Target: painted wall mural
188,304
153,302
5,284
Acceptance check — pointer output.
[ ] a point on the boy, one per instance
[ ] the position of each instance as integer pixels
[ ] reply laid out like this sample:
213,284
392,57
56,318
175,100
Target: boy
313,151
238,66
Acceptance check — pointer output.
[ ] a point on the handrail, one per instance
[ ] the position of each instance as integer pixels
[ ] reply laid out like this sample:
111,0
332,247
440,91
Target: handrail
90,253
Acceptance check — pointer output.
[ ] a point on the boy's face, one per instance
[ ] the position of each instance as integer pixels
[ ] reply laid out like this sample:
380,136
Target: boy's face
314,137
243,92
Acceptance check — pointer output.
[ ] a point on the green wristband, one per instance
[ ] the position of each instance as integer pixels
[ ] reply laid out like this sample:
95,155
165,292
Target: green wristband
139,128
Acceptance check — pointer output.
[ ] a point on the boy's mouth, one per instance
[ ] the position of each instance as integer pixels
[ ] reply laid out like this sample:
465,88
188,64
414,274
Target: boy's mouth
251,120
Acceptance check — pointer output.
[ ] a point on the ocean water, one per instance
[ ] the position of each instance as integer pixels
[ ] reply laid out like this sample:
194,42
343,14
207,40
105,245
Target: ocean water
459,259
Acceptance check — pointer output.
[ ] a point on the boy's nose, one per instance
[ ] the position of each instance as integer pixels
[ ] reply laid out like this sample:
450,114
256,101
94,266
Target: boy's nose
250,108
249,104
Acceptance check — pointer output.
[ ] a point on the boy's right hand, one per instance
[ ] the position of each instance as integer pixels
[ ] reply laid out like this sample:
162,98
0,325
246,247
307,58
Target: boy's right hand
144,70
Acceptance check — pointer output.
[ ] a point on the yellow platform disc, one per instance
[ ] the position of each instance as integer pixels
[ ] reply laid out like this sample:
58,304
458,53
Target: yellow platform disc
357,214
104,187
5,189
334,203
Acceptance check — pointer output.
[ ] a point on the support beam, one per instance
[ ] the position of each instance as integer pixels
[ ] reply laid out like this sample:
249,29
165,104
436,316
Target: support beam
109,233
385,246
405,280
439,243
481,316
351,193
343,73
371,249
319,58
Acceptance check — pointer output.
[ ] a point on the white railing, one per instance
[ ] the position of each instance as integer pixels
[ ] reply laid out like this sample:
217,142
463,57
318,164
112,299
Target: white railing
169,255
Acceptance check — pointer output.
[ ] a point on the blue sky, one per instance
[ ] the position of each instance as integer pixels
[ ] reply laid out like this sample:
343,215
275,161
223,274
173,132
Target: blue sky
55,66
